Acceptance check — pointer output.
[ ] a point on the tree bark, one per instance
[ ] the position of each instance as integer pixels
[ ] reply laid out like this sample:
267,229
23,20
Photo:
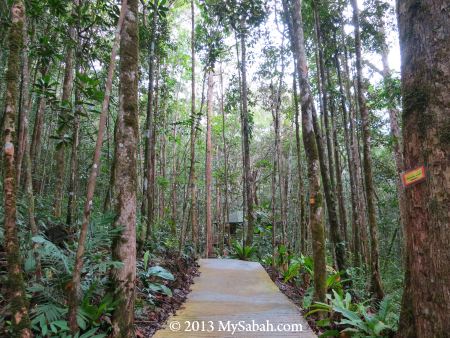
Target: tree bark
309,140
302,224
246,138
376,285
424,45
208,177
147,207
73,172
124,246
25,106
76,274
355,244
20,321
225,159
327,169
192,178
66,106
37,129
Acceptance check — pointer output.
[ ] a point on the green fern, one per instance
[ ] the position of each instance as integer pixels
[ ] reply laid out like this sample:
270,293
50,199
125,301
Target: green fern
242,252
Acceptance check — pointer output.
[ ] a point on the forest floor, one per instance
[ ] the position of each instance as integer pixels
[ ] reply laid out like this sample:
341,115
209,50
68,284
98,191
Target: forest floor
150,319
294,292
233,292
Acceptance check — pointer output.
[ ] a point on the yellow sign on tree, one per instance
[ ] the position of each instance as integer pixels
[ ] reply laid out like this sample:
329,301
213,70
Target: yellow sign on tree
413,176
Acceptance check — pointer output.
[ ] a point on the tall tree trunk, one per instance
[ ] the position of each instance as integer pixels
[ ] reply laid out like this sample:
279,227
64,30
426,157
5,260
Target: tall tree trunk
124,246
175,164
337,162
20,321
225,159
76,274
424,45
26,152
360,235
192,178
396,136
162,190
301,194
246,138
148,186
66,107
25,106
73,175
309,140
376,285
37,129
327,169
208,177
355,245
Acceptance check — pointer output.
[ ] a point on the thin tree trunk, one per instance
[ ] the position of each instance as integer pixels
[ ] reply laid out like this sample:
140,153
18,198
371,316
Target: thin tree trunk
225,159
355,245
246,139
73,176
425,78
20,321
396,138
26,154
148,196
376,286
208,177
75,284
301,194
38,123
327,169
192,178
337,162
66,106
25,106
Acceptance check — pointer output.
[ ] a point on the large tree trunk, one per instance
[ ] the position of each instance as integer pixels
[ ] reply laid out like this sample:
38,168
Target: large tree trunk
309,140
76,274
376,285
424,44
124,246
63,119
208,177
20,322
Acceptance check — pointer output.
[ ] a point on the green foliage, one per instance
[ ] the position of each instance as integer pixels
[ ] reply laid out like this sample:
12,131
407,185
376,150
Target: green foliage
242,252
153,280
292,271
356,319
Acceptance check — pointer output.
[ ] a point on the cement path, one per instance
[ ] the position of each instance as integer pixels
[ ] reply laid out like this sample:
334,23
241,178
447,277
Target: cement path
233,298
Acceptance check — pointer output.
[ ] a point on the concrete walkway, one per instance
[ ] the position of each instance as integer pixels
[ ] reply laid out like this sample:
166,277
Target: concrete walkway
233,298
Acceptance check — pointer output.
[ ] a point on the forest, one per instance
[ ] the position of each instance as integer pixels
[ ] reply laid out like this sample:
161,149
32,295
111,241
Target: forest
143,139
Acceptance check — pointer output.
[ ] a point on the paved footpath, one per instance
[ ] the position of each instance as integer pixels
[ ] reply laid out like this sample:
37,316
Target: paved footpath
233,295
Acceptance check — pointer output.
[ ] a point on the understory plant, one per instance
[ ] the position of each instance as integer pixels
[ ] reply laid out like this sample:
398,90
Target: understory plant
355,319
242,252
